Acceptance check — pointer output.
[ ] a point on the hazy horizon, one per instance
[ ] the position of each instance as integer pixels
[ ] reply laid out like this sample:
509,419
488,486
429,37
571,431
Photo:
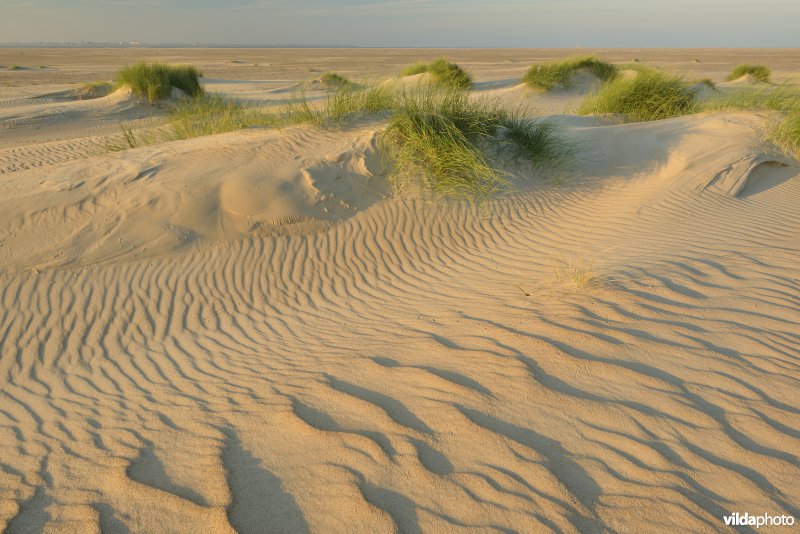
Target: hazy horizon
414,23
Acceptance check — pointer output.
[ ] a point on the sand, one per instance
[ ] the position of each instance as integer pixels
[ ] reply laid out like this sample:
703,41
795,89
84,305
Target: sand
252,332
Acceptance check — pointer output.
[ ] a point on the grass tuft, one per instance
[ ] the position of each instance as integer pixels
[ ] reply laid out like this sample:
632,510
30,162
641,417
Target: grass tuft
440,135
747,98
333,80
560,74
579,273
212,114
758,72
444,73
787,133
649,95
154,81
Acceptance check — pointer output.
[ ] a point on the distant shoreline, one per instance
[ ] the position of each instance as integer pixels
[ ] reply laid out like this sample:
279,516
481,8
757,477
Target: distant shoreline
90,46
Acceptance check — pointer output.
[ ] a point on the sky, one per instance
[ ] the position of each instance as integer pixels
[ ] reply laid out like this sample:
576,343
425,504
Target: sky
409,23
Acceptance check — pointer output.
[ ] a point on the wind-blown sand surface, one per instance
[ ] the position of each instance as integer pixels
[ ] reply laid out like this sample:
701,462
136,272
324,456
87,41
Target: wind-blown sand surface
250,332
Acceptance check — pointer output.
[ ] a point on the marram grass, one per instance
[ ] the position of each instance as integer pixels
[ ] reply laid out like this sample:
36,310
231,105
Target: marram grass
439,135
758,72
787,132
443,72
154,81
749,98
334,80
560,74
647,96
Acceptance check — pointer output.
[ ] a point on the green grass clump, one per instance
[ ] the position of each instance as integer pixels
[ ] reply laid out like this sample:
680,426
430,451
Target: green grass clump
647,96
154,81
347,102
441,136
443,72
186,78
787,133
560,74
334,80
212,114
747,98
758,72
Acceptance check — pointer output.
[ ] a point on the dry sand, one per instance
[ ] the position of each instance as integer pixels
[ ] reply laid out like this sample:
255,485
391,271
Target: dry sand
249,332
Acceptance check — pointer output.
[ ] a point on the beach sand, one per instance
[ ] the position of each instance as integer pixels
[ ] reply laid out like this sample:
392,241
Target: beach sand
252,332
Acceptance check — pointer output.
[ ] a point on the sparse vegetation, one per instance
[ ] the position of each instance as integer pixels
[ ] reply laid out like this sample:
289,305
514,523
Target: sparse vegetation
443,72
440,135
213,114
758,72
748,98
578,272
334,81
347,102
787,132
649,95
560,74
154,81
94,90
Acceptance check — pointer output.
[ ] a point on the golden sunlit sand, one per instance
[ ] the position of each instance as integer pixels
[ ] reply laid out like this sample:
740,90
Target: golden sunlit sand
257,332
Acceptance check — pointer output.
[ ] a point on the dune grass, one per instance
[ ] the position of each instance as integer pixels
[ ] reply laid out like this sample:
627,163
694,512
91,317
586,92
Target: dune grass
647,96
213,114
747,98
154,81
786,134
334,80
560,74
442,136
443,72
758,72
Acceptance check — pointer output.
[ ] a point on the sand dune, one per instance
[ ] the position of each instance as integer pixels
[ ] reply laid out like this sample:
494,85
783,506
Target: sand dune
249,332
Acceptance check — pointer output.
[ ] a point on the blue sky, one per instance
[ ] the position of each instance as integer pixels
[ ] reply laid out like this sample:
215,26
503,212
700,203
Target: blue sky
435,23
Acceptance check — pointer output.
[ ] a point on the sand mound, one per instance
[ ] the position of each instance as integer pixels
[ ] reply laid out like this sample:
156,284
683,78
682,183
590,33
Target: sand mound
695,154
159,199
